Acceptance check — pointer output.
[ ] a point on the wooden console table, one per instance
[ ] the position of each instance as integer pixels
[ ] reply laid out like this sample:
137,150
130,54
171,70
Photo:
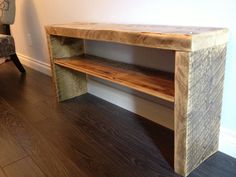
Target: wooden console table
195,87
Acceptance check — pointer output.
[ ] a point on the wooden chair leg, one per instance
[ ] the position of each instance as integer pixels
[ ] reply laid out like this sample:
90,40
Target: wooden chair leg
17,63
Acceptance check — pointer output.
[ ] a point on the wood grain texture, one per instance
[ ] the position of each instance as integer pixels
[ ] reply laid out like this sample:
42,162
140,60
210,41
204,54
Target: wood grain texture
199,88
1,173
107,140
66,47
218,165
44,154
200,57
67,84
155,36
180,110
85,134
24,168
10,151
149,81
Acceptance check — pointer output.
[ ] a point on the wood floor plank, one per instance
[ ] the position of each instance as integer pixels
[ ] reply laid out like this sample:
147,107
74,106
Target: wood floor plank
86,136
49,159
24,97
56,125
1,173
102,141
218,165
23,168
10,151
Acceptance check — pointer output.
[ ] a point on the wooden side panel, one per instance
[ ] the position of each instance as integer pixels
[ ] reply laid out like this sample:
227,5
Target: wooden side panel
181,104
198,101
66,46
68,83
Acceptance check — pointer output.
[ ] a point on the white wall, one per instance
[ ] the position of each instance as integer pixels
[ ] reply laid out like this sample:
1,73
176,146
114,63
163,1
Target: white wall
32,15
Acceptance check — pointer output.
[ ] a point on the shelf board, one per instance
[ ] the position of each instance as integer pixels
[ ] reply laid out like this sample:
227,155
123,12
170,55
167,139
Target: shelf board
150,81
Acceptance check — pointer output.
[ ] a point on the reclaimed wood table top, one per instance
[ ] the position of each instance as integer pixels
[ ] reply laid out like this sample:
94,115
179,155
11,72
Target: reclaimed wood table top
181,38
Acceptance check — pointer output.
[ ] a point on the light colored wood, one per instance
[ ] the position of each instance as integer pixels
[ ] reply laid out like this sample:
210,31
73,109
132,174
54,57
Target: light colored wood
198,100
198,82
24,168
10,151
67,84
2,174
180,110
155,36
152,82
66,47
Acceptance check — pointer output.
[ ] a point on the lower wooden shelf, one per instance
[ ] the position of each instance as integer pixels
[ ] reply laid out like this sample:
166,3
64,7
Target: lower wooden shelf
150,81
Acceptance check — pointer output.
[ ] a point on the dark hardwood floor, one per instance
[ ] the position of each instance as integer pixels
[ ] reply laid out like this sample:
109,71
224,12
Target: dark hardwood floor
82,137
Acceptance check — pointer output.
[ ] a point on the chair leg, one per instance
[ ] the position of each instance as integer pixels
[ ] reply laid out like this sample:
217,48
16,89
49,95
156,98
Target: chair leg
17,63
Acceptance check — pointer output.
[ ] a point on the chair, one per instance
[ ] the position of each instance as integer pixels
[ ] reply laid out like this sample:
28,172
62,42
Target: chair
7,45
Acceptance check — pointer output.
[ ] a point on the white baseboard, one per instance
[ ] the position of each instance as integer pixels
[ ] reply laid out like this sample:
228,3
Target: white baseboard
228,142
227,137
35,64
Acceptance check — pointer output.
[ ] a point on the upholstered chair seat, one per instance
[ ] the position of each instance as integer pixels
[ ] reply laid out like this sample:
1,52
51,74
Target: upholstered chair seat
7,45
